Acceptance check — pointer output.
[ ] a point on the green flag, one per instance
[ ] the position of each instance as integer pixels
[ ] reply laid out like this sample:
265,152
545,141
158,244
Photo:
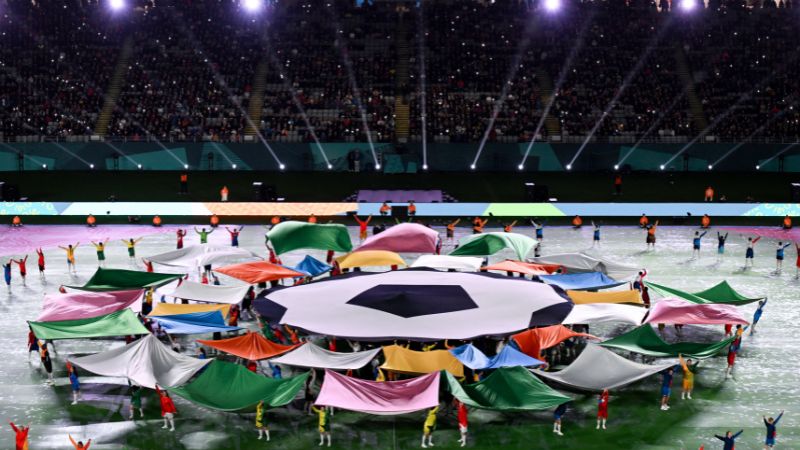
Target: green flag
486,244
644,340
293,235
506,389
232,387
721,293
123,280
118,323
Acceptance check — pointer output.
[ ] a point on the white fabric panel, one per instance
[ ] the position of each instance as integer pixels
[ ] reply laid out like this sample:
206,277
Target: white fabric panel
146,362
581,262
190,290
605,312
310,355
444,262
201,255
597,368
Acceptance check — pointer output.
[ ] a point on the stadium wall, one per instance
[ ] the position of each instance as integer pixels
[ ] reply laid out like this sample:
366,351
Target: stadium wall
394,158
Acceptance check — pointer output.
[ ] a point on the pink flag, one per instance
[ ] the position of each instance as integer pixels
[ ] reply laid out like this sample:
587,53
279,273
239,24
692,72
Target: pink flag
85,305
374,397
675,310
403,238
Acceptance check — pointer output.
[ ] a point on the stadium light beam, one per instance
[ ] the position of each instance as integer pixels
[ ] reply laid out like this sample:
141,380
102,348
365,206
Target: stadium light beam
224,85
780,152
25,156
562,75
124,155
423,96
742,98
498,103
341,43
625,83
774,117
688,5
653,126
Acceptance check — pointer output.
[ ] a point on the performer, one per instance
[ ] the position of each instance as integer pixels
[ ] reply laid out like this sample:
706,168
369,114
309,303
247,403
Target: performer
324,424
47,363
261,420
463,422
666,388
757,315
779,256
136,401
23,269
602,409
721,245
362,226
689,370
203,234
7,273
168,410
74,383
80,445
180,234
40,262
650,241
595,234
100,248
21,438
771,431
429,427
749,253
451,231
70,249
729,439
131,244
539,227
557,415
234,235
478,224
696,243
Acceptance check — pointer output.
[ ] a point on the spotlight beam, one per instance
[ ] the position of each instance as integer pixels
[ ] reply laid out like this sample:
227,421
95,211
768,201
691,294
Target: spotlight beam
341,44
116,149
774,117
288,86
742,98
625,83
221,82
653,126
562,75
24,155
422,83
780,152
498,103
216,146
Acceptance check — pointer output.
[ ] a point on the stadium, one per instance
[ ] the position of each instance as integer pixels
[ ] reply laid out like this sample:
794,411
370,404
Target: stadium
399,224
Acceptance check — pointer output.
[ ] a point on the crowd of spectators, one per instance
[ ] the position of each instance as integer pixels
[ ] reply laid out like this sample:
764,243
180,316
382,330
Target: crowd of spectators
332,69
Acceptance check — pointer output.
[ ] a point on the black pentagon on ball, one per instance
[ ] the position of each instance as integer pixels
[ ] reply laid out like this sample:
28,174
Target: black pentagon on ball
414,300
